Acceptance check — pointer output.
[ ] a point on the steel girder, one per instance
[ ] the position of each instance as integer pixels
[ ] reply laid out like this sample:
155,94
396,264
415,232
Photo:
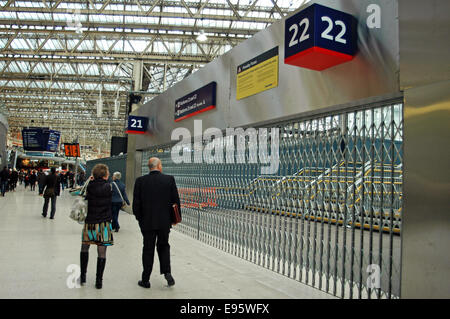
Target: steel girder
36,41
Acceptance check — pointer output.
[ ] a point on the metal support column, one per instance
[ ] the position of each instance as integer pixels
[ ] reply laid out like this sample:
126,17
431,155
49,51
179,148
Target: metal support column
133,161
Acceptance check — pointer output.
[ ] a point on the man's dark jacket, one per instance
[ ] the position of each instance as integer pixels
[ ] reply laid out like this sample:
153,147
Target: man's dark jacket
40,178
52,181
153,197
99,197
4,175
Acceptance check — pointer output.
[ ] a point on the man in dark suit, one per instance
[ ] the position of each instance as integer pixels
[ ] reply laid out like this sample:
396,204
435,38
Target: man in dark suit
153,197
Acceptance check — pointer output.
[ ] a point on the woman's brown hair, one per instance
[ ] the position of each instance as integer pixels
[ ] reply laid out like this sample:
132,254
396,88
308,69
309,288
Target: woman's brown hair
100,171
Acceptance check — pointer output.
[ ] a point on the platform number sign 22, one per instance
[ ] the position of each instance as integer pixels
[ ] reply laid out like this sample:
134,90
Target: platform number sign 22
319,37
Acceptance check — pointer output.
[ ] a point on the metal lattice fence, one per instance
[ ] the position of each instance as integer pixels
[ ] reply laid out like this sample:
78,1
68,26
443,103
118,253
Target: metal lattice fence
115,164
330,216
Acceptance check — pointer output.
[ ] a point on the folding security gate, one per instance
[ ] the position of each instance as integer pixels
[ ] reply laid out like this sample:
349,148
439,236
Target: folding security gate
331,217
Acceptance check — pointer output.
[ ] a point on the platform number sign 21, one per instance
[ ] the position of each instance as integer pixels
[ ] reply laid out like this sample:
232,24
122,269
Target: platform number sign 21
319,37
137,124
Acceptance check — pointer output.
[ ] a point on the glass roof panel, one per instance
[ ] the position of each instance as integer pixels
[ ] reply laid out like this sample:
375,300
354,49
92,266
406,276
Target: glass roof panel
69,49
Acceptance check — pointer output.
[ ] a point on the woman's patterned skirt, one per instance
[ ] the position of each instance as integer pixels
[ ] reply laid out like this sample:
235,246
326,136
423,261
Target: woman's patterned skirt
97,234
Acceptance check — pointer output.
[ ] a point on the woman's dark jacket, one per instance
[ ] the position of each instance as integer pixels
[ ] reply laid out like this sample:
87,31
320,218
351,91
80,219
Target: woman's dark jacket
99,197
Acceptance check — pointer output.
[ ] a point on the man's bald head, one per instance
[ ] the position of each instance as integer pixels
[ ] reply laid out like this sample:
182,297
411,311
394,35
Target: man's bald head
154,163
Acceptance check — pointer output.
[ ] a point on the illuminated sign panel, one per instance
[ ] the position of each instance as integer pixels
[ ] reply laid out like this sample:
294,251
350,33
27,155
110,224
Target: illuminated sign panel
72,150
137,124
40,139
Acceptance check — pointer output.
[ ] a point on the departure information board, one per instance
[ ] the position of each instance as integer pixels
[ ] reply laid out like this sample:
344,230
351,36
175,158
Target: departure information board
53,140
39,139
34,139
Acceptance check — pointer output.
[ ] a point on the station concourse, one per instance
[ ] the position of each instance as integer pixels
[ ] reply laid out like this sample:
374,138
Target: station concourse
38,261
306,144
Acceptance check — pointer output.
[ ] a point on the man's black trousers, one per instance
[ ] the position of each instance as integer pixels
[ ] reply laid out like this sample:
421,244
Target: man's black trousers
45,208
161,239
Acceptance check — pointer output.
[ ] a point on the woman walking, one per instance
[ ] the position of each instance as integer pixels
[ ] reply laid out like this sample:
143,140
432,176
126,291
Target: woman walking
97,228
119,197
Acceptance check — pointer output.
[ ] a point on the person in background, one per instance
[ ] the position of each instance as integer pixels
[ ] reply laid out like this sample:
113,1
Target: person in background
10,181
4,176
119,196
26,179
97,229
63,178
40,180
51,190
81,178
21,175
153,197
70,179
33,179
15,178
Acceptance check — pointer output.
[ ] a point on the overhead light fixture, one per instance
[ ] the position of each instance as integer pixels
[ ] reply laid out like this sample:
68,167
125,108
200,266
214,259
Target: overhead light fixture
202,36
116,106
100,105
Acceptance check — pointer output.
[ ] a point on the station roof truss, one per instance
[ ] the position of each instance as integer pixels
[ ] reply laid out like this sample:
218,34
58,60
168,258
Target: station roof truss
57,57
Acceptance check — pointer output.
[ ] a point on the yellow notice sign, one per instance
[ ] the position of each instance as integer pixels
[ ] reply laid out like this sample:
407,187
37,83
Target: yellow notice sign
258,74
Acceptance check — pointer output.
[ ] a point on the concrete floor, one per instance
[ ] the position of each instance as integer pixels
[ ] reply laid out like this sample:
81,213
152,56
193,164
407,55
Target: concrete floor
36,254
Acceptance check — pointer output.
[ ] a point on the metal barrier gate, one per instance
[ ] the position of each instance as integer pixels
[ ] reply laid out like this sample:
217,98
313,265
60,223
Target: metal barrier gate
330,218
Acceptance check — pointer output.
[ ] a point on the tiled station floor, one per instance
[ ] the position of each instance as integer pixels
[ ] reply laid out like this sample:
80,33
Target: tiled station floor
36,255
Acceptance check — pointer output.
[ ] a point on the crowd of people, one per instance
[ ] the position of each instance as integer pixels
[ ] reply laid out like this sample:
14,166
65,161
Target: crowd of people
153,199
10,178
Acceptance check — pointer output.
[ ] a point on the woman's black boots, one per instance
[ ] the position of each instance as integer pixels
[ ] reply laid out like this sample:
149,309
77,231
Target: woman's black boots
84,257
99,276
